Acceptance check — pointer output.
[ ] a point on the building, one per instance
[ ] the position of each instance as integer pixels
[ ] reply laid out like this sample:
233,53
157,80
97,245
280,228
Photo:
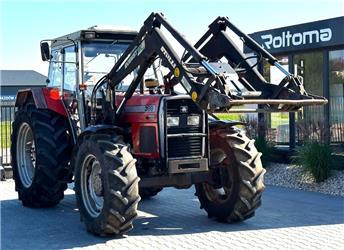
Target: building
315,51
10,82
13,80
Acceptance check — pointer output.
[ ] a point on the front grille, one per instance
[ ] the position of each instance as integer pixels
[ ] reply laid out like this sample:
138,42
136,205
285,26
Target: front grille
184,146
179,130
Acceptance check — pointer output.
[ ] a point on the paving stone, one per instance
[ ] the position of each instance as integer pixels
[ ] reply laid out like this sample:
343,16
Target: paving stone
288,219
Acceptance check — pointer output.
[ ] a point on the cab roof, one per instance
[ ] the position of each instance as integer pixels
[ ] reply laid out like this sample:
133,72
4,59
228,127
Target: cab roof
97,32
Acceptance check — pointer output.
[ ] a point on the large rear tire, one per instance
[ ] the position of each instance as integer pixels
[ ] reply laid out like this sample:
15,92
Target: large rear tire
40,153
106,184
238,174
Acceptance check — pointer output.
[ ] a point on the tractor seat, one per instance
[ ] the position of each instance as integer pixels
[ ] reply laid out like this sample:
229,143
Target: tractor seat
152,85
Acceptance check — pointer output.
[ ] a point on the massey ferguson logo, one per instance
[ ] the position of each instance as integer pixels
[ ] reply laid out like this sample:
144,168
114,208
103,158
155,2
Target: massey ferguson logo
288,39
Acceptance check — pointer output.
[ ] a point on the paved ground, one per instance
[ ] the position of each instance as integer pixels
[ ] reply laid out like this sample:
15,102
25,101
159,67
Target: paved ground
288,219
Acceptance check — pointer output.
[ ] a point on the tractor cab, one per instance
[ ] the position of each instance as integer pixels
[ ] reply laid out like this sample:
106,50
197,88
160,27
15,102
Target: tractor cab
80,59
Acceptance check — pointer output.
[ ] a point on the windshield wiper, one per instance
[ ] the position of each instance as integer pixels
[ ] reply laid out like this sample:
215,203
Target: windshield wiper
113,43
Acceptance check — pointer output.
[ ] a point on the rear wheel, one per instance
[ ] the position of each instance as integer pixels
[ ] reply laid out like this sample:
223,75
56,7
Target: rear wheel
40,155
106,184
238,174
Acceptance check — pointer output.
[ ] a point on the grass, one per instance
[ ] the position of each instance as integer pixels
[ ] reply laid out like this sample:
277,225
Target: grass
278,119
315,157
266,148
226,116
5,135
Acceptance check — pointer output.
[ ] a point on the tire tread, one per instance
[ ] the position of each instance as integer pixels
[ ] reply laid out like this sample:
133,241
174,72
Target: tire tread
53,154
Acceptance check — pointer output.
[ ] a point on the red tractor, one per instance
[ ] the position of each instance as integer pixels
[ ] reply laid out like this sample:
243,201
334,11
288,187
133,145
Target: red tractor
124,115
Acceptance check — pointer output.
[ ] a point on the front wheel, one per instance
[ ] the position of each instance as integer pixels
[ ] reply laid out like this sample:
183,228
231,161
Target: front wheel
106,184
238,174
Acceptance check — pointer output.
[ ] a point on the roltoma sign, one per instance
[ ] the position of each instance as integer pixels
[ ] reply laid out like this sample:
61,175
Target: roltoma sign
287,39
313,35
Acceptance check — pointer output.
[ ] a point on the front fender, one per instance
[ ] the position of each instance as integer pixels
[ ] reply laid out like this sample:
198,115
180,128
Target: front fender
213,123
99,128
91,130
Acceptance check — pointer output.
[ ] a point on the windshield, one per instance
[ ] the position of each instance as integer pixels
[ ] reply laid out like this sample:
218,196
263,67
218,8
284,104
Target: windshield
99,58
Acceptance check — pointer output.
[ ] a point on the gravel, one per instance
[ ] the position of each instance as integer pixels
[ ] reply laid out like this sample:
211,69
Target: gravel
293,176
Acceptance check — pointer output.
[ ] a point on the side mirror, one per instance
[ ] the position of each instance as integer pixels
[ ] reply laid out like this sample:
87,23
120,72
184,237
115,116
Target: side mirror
45,51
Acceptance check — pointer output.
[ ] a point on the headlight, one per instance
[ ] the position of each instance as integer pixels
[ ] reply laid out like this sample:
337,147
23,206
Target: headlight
193,120
172,121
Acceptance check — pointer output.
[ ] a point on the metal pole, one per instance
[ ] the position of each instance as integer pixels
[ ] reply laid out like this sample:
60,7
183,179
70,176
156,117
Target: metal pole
326,94
292,129
262,124
80,93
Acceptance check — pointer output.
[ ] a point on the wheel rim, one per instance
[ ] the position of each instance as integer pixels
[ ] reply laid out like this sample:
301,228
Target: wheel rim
26,155
92,186
223,190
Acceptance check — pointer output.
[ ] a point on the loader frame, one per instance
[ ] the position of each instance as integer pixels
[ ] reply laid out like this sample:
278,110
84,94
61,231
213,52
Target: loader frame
201,72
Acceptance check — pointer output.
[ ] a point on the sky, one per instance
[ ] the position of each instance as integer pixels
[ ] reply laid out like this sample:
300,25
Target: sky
23,24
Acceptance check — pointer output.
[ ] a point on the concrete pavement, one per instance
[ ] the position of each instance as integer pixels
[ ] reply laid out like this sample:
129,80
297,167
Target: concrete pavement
288,219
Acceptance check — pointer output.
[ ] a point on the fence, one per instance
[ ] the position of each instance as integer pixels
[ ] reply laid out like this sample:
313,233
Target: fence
337,119
7,111
310,124
307,127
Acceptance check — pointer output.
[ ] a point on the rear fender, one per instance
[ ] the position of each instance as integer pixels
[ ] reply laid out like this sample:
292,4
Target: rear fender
26,95
43,98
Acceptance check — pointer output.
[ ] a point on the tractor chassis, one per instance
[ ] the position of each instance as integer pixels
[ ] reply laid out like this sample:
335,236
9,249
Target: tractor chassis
178,180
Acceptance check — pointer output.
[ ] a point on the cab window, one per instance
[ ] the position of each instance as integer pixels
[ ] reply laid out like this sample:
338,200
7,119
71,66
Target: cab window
55,70
70,69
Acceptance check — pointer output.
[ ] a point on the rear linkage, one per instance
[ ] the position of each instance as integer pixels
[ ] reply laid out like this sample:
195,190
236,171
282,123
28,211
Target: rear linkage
202,74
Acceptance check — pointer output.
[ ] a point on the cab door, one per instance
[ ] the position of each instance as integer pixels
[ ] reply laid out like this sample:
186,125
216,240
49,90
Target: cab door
69,75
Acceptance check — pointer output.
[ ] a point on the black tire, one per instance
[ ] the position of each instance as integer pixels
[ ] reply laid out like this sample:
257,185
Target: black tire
119,184
240,172
52,155
147,193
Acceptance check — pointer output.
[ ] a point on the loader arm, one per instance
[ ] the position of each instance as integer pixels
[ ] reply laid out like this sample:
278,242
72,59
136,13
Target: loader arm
288,95
205,79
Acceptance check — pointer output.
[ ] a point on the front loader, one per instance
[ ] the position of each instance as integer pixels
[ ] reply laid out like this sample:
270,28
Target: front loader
124,115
